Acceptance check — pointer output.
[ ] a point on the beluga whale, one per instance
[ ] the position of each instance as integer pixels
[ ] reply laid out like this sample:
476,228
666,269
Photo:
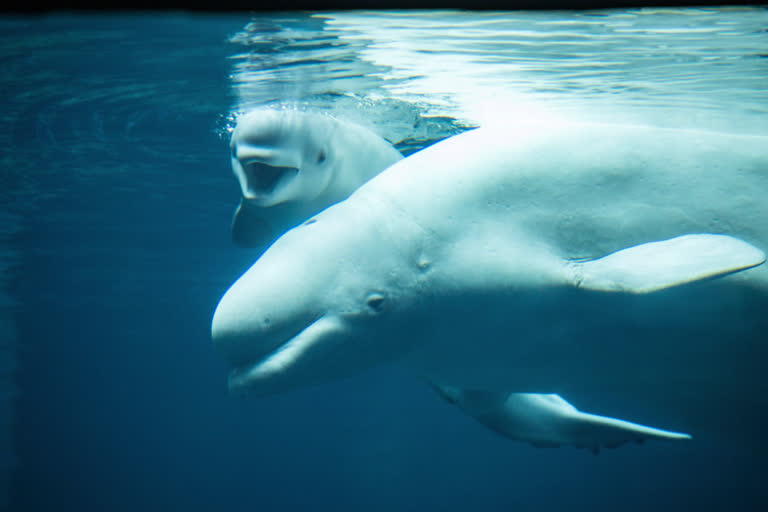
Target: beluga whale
292,164
512,266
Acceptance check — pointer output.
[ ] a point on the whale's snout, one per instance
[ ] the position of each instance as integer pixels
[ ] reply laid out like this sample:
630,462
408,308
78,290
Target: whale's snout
243,334
301,313
269,354
261,313
232,336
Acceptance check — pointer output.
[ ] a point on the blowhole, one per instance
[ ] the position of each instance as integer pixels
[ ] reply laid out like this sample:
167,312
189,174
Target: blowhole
310,221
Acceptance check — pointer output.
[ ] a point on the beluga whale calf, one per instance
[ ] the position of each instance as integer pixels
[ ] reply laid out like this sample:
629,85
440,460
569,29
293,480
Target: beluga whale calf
292,164
562,259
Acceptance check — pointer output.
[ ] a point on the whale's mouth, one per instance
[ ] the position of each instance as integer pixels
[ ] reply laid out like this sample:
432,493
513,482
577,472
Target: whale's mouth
285,358
241,373
263,179
243,358
238,373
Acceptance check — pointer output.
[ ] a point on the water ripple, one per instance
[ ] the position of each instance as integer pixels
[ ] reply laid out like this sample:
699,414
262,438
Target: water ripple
700,64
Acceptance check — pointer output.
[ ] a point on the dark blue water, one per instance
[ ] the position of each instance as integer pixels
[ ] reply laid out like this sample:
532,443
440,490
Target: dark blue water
119,198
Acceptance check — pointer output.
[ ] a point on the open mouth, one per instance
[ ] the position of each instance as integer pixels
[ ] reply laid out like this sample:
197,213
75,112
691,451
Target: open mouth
263,178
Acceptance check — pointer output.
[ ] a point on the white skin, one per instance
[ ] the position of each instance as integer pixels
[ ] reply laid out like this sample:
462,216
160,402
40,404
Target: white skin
459,261
297,164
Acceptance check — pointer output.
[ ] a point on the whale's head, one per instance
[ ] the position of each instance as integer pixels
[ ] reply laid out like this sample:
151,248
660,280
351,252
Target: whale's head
323,302
281,156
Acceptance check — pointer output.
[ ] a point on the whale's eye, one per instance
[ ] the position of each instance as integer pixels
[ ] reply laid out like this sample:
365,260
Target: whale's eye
321,157
376,302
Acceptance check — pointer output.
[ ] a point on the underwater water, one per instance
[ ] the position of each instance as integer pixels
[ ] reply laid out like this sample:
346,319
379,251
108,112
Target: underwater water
117,198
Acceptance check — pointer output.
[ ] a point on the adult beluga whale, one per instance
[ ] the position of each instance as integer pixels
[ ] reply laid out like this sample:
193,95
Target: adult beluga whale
264,139
568,258
292,164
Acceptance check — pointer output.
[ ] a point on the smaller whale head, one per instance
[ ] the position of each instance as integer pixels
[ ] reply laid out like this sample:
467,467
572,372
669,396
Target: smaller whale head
320,304
282,156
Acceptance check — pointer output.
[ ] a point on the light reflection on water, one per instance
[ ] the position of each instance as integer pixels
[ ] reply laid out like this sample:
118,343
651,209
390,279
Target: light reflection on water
684,67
